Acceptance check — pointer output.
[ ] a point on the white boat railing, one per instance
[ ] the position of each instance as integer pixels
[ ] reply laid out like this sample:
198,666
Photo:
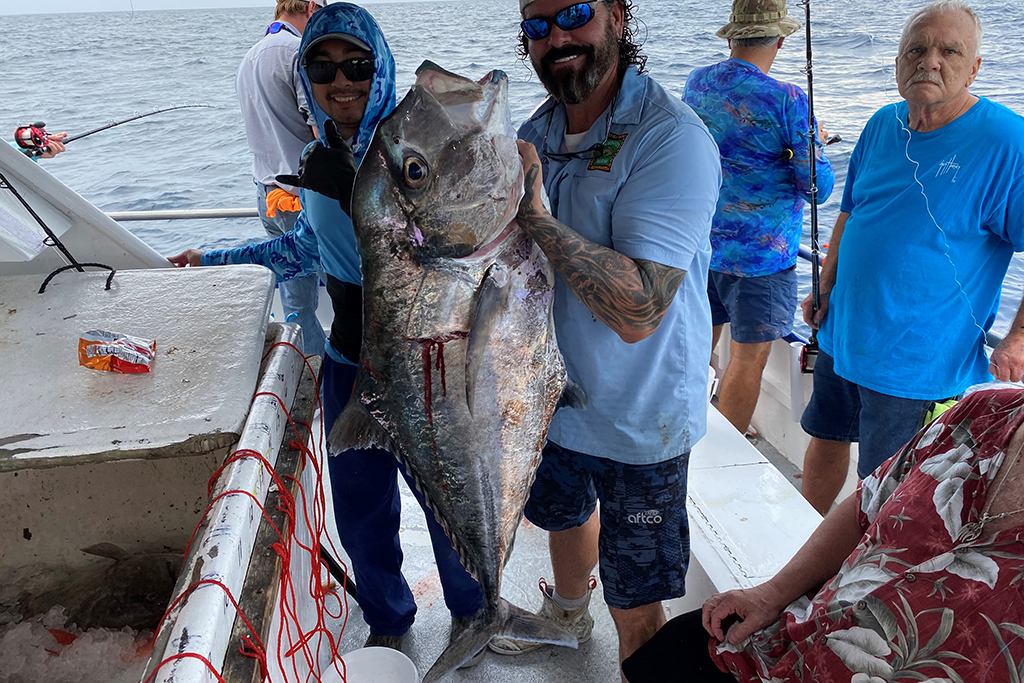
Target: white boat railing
181,214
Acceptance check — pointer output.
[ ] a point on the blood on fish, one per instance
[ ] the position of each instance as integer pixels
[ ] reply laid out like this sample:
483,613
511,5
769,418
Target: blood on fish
433,362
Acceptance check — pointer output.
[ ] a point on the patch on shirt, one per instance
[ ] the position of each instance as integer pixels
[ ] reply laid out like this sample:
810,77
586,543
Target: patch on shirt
611,146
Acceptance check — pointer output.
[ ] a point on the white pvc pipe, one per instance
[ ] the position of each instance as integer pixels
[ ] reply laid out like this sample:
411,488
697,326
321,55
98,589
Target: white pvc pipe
796,382
202,622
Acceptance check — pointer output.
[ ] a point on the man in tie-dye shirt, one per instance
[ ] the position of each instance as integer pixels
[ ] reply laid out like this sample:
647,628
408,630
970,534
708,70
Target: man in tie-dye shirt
761,127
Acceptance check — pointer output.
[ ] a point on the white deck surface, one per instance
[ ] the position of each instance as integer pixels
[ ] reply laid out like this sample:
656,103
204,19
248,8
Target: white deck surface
196,396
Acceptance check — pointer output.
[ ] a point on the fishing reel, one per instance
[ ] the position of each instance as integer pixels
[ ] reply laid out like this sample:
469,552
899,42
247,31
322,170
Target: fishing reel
32,139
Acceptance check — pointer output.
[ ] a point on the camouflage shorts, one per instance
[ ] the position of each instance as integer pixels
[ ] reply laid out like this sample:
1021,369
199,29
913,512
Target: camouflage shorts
645,539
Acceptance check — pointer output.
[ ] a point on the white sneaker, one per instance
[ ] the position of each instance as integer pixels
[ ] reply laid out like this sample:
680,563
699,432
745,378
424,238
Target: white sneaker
577,622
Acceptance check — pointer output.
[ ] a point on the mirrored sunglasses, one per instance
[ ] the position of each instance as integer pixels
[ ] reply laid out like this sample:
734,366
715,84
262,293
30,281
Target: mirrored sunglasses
569,19
355,70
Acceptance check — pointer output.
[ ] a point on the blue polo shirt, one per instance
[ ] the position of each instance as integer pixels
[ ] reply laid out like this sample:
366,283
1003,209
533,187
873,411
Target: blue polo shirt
651,196
934,220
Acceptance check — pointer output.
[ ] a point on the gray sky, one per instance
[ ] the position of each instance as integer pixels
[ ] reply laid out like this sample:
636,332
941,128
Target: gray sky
55,6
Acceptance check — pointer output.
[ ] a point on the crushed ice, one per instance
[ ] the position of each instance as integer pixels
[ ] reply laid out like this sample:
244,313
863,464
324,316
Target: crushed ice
48,649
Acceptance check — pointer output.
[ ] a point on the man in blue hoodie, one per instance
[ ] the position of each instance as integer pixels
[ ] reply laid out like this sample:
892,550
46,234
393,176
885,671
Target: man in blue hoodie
348,74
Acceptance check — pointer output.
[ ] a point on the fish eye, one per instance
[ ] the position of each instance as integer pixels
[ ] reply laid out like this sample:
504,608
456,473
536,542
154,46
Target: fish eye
416,172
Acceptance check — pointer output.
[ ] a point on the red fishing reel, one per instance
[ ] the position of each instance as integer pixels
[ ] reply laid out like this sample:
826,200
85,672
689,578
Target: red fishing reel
32,139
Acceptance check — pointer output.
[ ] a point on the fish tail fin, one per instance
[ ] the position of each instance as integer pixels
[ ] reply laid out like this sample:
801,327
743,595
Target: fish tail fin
107,550
356,428
463,648
510,622
534,628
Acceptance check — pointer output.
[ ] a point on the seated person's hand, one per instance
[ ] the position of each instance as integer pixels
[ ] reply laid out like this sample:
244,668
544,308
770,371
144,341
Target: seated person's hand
738,614
328,170
54,145
189,257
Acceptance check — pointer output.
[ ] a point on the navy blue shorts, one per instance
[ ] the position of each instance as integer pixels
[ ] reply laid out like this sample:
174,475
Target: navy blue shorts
840,410
645,537
758,309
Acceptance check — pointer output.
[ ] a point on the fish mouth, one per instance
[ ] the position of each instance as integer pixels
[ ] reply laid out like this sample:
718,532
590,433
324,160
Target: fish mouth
469,104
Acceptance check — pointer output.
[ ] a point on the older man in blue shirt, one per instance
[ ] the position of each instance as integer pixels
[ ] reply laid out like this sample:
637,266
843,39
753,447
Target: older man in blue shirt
632,175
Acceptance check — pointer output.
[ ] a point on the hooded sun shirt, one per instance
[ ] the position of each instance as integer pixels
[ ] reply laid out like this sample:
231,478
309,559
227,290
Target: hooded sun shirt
323,238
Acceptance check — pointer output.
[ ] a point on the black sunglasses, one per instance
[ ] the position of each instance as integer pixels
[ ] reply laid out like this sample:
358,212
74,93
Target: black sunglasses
569,19
355,70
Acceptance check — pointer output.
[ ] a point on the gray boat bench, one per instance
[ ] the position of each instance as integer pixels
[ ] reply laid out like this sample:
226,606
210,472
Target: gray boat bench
746,519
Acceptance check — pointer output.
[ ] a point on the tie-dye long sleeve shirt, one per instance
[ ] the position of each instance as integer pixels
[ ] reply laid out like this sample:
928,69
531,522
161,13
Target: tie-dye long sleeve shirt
760,125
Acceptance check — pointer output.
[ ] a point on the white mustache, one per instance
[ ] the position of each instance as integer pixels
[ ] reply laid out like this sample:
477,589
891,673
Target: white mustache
928,76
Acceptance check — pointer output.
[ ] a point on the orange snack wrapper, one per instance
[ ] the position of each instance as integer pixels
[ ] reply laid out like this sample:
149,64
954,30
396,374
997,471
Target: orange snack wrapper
112,352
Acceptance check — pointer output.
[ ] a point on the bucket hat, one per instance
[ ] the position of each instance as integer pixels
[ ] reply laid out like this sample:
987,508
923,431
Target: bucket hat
758,19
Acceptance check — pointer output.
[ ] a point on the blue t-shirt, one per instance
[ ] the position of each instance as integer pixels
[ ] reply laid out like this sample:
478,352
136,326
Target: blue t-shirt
755,119
650,196
922,259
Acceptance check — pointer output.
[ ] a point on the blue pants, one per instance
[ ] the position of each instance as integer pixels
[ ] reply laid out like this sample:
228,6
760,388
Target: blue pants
300,295
367,510
840,410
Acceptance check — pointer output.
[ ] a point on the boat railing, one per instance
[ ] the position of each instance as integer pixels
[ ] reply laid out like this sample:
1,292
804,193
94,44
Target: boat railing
182,214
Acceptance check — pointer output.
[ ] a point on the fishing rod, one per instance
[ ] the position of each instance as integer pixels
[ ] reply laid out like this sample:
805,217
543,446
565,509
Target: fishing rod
810,351
33,139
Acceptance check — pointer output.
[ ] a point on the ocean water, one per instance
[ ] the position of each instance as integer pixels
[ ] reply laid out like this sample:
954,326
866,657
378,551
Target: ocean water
81,70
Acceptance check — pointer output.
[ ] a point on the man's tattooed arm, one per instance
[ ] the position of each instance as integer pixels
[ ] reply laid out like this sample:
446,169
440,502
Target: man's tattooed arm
631,296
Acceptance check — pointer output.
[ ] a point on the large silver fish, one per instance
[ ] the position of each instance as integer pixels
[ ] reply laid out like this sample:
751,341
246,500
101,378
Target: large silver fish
460,371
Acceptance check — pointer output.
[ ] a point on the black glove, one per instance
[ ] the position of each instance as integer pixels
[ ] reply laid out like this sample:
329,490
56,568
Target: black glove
328,170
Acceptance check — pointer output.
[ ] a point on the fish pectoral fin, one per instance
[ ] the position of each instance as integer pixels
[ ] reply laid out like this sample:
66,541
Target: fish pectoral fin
491,302
461,650
108,550
572,396
356,428
522,625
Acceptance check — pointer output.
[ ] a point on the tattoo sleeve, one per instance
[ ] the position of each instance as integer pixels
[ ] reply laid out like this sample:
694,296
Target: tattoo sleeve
631,296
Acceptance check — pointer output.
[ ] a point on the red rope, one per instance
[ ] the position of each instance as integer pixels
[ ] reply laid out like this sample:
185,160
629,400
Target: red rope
185,655
315,508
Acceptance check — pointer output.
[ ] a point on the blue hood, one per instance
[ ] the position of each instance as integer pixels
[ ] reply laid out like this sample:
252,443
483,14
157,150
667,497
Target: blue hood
348,19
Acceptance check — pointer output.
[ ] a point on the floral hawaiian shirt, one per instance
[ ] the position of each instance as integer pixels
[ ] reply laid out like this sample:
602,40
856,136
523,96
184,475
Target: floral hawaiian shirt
911,603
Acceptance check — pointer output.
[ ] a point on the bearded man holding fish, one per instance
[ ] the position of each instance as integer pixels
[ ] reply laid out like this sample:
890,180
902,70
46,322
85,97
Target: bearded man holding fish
633,177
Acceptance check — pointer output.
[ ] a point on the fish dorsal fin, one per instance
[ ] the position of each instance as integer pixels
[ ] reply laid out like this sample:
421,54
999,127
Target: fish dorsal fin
108,550
356,428
491,302
572,396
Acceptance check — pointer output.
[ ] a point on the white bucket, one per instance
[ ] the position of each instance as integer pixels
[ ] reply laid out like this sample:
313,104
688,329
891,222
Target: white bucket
374,665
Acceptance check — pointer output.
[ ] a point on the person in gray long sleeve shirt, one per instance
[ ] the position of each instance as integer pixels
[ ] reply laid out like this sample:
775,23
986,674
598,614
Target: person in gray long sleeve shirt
278,126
